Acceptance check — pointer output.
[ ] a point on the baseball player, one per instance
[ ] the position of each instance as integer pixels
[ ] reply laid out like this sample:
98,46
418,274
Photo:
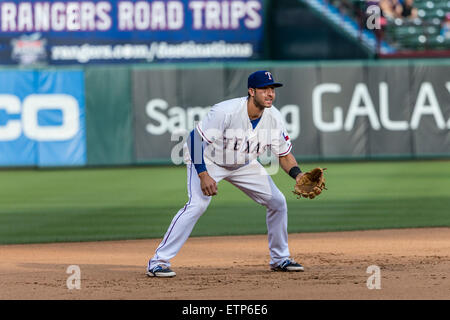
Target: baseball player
225,145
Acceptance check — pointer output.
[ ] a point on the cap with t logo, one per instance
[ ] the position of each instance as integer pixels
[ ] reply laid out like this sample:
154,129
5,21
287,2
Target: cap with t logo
261,79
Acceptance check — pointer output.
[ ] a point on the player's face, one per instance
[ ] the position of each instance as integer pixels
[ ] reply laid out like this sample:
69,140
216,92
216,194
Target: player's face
264,97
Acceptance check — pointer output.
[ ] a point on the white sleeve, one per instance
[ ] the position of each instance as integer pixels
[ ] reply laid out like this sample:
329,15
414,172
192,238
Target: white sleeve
281,143
211,127
285,143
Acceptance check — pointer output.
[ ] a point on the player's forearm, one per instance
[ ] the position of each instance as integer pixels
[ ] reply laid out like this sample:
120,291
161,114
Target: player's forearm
195,143
288,162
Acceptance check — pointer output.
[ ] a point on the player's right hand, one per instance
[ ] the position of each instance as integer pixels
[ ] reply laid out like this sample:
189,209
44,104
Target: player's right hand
207,184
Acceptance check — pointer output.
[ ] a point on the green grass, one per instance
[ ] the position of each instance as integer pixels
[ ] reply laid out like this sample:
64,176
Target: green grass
133,203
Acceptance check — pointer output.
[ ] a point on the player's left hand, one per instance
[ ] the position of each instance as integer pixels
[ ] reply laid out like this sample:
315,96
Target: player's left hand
299,177
310,184
298,180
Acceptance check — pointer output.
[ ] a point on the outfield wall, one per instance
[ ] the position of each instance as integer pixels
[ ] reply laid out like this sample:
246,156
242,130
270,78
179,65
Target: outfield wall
140,114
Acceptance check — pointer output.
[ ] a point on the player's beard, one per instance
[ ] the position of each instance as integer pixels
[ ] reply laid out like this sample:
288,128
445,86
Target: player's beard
259,103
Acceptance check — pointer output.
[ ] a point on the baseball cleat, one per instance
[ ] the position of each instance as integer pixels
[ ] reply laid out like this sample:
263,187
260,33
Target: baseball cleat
288,265
161,271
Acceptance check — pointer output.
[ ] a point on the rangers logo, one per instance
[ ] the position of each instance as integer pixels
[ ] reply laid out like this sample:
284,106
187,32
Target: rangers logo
29,49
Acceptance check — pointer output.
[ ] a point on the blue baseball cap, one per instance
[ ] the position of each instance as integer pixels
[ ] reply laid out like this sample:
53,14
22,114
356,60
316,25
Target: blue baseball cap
261,79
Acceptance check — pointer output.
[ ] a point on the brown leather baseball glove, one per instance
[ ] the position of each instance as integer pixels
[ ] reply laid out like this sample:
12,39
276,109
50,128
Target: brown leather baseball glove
310,184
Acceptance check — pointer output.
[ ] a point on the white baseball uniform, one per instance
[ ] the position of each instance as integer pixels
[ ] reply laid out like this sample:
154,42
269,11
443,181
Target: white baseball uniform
231,147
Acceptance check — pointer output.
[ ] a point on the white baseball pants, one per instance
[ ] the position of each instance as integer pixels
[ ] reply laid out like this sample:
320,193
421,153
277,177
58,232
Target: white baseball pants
254,181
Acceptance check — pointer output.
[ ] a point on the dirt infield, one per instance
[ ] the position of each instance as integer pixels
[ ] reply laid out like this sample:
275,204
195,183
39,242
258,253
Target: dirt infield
414,264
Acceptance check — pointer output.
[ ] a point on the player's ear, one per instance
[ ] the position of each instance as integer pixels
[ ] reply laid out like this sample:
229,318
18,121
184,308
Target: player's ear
251,92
